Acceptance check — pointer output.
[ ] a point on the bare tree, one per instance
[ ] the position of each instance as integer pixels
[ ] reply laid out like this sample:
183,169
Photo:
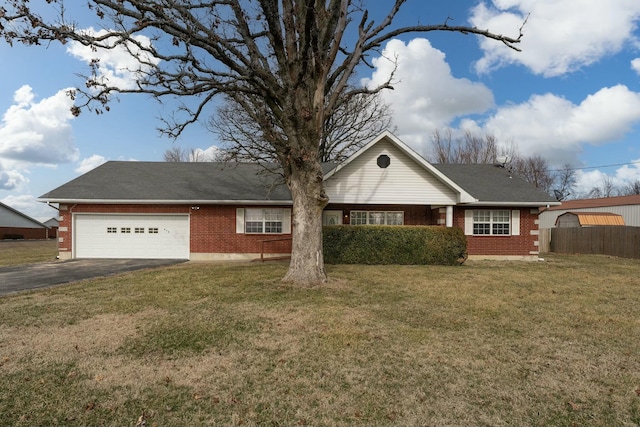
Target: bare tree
565,181
631,188
469,148
606,189
535,170
355,122
180,154
286,63
175,154
474,149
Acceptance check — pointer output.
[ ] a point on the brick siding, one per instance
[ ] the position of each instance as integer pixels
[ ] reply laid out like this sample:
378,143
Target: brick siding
25,233
213,230
413,214
213,227
524,244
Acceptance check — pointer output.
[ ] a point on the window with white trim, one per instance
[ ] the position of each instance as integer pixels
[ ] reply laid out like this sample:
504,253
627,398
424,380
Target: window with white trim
111,230
377,218
491,222
263,221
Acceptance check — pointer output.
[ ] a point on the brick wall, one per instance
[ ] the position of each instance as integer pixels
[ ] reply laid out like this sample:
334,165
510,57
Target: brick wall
413,214
525,244
213,228
25,233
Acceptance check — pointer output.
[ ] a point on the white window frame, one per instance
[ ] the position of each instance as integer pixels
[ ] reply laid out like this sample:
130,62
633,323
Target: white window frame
494,220
263,220
376,217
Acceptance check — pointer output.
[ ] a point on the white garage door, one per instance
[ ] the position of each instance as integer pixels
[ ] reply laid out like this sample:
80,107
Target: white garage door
131,236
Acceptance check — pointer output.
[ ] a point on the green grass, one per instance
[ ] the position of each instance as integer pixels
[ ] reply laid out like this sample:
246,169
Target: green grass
487,343
19,252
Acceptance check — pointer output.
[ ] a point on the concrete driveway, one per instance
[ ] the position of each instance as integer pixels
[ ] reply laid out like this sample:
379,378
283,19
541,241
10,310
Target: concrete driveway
42,275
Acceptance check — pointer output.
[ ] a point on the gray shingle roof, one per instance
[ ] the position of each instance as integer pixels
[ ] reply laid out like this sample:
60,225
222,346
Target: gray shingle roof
174,181
245,182
490,183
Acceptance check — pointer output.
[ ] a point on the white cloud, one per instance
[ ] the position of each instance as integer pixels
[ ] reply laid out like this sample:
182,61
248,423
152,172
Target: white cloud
90,163
210,154
560,36
623,176
629,173
557,129
117,66
37,132
635,65
12,180
33,133
28,205
426,95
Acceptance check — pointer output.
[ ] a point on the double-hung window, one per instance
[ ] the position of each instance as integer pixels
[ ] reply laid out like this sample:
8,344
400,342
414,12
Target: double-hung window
263,221
491,222
377,218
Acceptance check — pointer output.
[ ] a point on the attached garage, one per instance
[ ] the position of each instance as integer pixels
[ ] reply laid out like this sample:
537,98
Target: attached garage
131,236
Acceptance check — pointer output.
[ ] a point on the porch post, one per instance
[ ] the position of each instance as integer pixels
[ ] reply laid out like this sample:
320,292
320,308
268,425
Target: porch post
449,217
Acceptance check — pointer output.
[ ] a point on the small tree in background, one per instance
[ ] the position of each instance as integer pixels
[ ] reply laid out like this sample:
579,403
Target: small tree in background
180,154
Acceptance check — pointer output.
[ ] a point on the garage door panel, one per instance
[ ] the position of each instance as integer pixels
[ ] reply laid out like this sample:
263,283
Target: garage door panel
131,236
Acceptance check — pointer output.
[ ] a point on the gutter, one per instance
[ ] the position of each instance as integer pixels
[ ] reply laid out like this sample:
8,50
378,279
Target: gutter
167,202
512,204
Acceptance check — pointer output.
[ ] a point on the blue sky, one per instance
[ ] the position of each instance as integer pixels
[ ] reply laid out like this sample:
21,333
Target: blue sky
572,95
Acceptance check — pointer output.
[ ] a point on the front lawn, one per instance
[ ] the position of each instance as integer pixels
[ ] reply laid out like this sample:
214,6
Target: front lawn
487,343
18,252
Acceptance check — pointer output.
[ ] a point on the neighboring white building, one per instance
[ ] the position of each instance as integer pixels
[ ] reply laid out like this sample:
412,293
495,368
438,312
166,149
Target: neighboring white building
627,206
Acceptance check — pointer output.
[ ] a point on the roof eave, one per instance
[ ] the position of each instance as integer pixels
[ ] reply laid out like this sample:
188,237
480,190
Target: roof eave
511,204
165,202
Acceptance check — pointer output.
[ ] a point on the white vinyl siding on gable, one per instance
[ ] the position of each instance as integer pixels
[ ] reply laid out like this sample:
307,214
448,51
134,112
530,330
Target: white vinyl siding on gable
403,182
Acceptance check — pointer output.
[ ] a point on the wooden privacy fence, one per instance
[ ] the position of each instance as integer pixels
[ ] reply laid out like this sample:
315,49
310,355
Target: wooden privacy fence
612,240
544,240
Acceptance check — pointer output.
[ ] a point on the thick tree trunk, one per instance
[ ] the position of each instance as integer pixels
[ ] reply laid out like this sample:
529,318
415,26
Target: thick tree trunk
309,199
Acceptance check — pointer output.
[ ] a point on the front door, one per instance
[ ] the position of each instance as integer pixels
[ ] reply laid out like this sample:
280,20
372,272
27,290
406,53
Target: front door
331,217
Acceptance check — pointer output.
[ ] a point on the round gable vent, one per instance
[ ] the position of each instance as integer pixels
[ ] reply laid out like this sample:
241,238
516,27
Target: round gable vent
383,161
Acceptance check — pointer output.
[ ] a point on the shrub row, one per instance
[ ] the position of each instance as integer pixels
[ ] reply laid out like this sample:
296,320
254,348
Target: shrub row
428,245
12,237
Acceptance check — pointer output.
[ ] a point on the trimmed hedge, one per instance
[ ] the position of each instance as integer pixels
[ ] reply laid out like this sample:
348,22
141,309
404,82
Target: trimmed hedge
426,245
12,237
